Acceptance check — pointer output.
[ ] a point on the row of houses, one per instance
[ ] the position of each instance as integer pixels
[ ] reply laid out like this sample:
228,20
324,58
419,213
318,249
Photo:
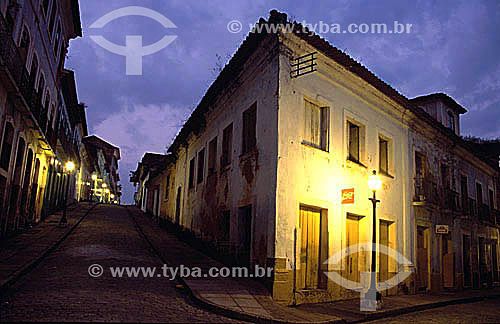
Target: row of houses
47,157
292,123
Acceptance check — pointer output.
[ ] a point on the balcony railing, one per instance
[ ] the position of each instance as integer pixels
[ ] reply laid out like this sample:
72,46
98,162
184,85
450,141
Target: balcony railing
15,65
450,200
469,207
426,191
496,215
484,213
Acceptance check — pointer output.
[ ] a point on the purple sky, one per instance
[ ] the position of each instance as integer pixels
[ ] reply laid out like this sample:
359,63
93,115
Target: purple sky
453,47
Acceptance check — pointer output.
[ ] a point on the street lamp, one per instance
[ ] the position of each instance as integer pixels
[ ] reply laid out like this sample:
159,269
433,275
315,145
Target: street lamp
69,166
374,184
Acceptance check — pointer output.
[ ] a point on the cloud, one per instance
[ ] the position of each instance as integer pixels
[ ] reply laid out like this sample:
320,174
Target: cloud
137,129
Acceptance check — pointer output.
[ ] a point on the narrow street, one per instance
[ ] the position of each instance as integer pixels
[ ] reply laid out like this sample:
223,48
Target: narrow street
61,289
481,312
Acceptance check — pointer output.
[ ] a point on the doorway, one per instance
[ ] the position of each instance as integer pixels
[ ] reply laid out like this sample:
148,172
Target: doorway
244,234
466,253
423,241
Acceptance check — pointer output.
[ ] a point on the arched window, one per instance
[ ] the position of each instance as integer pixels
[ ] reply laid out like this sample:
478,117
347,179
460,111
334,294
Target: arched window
8,137
24,43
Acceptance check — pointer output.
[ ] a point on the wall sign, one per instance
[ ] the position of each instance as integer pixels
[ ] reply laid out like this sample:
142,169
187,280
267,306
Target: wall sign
442,229
347,196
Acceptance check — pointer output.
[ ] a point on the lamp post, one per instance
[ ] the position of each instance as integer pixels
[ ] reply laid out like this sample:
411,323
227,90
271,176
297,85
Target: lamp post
374,184
92,190
103,191
69,166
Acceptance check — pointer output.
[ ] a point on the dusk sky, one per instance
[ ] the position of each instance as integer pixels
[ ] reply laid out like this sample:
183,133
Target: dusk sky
452,47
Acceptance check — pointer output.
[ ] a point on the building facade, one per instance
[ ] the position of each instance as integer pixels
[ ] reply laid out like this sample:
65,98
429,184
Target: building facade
292,123
34,36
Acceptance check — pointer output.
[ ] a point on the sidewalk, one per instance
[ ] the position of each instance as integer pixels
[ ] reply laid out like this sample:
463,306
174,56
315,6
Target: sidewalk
397,305
20,253
246,299
240,298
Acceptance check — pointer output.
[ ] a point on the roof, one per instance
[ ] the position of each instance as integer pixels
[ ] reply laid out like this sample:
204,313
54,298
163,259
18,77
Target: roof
449,101
252,41
151,161
96,141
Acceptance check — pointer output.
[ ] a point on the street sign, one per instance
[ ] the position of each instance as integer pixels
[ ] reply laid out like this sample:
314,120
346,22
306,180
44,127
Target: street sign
442,229
347,196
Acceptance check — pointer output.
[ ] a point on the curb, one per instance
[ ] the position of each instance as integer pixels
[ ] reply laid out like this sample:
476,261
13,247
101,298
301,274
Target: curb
5,284
218,309
416,308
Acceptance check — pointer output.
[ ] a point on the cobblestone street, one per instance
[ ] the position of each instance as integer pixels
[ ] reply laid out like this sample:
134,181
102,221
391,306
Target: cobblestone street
480,312
61,289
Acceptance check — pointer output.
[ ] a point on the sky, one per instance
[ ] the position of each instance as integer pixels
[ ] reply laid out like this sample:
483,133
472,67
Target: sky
452,47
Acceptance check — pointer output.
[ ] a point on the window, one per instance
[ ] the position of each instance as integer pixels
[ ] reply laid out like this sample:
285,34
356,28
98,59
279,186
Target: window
52,20
201,165
8,138
25,42
223,226
212,156
57,38
492,199
227,141
445,176
41,85
249,129
451,120
383,155
191,173
45,7
316,126
353,142
479,194
167,186
47,99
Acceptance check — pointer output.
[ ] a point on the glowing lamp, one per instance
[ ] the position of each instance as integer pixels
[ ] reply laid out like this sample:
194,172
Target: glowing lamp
374,182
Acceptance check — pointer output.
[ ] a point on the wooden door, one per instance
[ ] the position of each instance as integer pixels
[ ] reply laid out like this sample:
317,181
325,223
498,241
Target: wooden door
383,258
352,233
448,261
422,259
466,254
309,221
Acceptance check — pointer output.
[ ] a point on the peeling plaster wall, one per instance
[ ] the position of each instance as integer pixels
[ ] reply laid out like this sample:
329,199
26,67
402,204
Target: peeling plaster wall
439,150
250,178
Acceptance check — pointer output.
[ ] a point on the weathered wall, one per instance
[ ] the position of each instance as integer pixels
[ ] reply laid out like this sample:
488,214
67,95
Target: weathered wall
250,178
310,176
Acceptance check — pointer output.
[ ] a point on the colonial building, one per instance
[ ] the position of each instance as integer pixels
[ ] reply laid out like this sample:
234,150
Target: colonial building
105,177
456,190
289,125
148,179
34,37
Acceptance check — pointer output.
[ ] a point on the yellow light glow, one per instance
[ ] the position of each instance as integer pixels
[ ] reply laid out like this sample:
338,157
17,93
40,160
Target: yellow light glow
374,182
94,177
104,185
107,190
112,196
70,166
